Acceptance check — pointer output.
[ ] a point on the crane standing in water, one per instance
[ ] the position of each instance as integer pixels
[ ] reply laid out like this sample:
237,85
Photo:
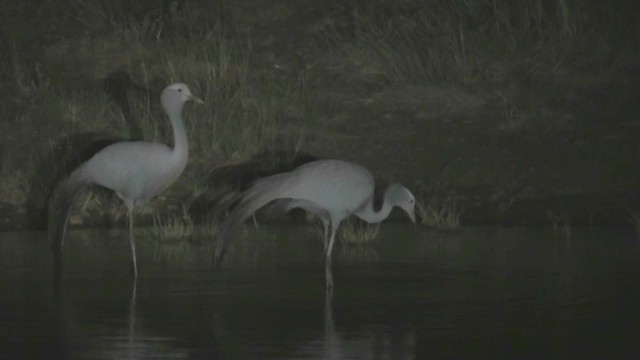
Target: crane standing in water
135,170
331,189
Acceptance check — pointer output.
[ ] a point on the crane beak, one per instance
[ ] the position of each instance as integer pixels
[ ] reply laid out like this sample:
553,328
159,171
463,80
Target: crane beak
412,216
196,99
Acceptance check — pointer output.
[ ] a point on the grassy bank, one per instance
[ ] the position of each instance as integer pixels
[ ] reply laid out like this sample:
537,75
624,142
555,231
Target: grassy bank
511,111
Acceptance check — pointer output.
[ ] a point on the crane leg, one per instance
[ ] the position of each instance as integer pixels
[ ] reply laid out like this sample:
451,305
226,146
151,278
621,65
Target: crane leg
327,259
132,242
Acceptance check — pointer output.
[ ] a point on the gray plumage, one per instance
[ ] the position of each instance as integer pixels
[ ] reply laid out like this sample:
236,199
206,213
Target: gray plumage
331,189
286,205
136,171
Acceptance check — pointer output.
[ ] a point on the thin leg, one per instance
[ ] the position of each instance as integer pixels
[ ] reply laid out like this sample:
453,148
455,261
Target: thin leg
58,243
132,242
332,238
325,226
327,260
328,276
255,222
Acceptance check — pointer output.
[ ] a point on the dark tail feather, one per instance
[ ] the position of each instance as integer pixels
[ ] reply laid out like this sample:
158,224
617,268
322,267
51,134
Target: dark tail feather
59,208
264,191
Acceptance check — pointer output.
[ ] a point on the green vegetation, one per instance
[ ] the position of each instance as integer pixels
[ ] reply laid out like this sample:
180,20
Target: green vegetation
489,89
441,214
354,232
491,45
180,228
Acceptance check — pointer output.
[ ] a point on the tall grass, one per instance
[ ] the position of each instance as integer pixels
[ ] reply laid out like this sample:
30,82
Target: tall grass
459,41
14,187
354,232
439,213
181,227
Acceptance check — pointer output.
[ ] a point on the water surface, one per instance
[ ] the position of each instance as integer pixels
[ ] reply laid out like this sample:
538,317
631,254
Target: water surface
412,293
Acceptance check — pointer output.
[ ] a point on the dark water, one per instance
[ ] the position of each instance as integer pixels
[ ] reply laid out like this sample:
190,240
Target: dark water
480,293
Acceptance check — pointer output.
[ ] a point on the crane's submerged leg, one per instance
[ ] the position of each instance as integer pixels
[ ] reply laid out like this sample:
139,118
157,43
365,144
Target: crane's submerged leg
132,241
132,318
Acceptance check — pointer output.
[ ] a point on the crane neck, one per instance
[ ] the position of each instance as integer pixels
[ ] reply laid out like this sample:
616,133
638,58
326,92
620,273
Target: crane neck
370,215
180,142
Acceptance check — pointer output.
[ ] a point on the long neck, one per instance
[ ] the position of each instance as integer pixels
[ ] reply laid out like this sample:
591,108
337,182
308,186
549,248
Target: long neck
180,142
370,215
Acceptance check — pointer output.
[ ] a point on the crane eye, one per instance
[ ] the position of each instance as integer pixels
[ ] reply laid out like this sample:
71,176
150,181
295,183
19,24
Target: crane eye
179,90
